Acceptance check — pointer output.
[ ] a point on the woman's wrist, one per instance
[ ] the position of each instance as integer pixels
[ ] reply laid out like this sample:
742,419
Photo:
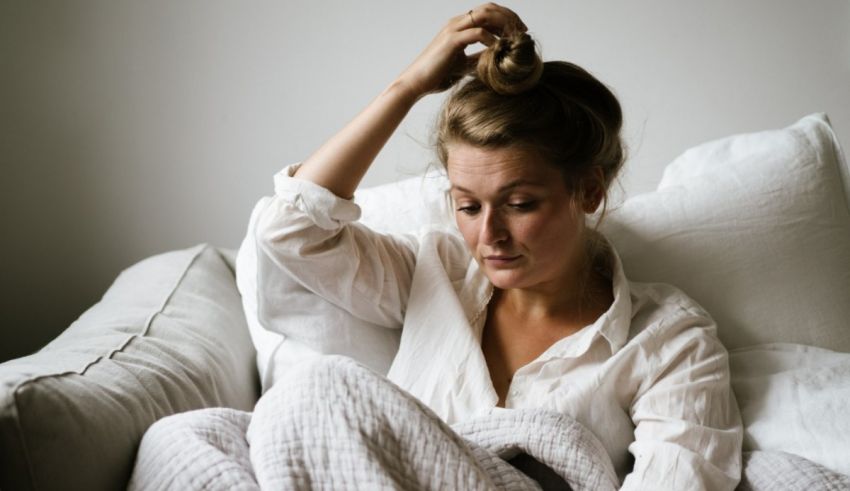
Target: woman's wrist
405,90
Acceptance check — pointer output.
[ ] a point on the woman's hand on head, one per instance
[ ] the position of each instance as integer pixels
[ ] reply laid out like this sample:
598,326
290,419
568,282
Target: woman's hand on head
443,62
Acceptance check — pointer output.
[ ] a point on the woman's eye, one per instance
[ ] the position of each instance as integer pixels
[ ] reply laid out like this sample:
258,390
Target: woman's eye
525,205
469,210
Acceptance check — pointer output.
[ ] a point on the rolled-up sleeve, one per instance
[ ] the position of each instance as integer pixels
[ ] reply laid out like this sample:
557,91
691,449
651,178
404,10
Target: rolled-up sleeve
688,428
312,235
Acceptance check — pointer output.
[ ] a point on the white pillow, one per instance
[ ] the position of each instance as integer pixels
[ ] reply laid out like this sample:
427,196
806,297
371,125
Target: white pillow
795,398
406,205
756,228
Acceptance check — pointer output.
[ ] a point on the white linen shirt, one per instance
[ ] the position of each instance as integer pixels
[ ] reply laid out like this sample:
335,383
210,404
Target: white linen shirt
649,377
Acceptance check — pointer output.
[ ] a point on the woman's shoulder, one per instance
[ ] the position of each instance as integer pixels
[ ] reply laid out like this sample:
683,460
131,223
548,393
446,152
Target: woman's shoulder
663,312
674,336
665,297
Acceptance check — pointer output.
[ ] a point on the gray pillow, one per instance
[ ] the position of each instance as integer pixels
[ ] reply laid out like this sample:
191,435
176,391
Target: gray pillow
168,336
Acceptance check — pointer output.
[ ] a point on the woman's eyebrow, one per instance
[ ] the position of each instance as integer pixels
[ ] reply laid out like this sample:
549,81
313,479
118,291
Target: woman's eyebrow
510,185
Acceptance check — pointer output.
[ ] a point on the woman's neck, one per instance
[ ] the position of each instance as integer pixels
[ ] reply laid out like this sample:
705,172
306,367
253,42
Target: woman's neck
588,290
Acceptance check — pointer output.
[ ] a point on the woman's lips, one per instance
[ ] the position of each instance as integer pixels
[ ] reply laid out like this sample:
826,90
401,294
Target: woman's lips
500,260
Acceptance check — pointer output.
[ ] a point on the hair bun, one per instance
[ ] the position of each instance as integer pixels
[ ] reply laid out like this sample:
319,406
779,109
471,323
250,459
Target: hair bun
511,65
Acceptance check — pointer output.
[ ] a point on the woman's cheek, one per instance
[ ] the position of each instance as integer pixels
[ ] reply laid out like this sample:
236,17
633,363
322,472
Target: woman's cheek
467,230
548,230
534,227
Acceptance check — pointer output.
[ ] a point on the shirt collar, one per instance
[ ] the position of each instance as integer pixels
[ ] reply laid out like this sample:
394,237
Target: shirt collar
616,321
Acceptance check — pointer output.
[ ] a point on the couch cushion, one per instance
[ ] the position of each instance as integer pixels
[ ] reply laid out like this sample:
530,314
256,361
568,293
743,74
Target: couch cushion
168,336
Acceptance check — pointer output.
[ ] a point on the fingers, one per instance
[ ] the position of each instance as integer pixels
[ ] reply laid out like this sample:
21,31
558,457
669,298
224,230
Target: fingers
494,18
476,35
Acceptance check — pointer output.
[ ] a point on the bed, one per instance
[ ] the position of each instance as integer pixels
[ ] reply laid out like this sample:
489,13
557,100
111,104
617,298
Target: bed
755,227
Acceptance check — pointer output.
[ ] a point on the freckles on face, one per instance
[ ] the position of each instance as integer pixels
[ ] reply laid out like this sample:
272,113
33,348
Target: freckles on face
512,205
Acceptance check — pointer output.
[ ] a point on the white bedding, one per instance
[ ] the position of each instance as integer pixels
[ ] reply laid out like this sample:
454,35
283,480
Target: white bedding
308,432
795,398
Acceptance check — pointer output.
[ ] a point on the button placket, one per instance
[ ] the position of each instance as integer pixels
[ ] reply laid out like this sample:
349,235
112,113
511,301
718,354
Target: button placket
515,388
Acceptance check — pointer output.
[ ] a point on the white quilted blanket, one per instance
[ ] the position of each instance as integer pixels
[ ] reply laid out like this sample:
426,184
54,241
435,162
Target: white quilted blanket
336,424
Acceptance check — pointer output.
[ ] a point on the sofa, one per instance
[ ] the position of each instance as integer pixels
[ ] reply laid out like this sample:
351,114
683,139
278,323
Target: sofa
755,227
169,335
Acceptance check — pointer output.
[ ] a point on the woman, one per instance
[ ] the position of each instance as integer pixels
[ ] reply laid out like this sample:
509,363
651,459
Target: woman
527,306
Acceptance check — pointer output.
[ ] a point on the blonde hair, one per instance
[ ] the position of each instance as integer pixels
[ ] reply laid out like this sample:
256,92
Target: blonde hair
555,108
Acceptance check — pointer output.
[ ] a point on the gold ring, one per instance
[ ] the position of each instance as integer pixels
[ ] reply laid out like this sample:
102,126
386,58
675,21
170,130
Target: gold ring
472,18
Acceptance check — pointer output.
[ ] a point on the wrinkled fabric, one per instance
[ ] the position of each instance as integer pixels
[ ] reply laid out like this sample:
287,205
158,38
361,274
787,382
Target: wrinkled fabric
333,423
649,377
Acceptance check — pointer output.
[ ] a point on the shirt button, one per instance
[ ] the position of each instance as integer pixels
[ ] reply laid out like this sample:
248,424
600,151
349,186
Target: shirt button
515,392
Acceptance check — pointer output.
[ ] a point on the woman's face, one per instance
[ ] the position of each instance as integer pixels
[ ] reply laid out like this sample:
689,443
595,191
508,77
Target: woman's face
513,211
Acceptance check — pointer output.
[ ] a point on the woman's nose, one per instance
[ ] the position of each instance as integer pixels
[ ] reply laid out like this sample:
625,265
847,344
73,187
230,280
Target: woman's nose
493,229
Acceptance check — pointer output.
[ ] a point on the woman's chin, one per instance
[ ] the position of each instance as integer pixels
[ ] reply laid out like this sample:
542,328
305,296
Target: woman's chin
505,279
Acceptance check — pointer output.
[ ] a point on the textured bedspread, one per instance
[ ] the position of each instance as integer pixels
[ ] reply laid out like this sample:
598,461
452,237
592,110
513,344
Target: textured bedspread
335,424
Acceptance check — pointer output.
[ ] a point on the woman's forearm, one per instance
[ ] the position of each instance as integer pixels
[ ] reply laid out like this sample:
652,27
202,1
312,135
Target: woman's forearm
342,161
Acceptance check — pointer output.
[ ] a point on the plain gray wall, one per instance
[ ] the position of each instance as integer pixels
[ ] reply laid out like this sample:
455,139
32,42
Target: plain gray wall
129,129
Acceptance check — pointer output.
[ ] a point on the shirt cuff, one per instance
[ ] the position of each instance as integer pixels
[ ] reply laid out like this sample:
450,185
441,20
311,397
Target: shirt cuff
326,209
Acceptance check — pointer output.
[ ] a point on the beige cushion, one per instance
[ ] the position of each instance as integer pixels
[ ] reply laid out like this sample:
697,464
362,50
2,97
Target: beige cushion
168,336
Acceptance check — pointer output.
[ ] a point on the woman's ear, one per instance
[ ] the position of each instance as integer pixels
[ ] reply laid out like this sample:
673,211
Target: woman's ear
593,190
